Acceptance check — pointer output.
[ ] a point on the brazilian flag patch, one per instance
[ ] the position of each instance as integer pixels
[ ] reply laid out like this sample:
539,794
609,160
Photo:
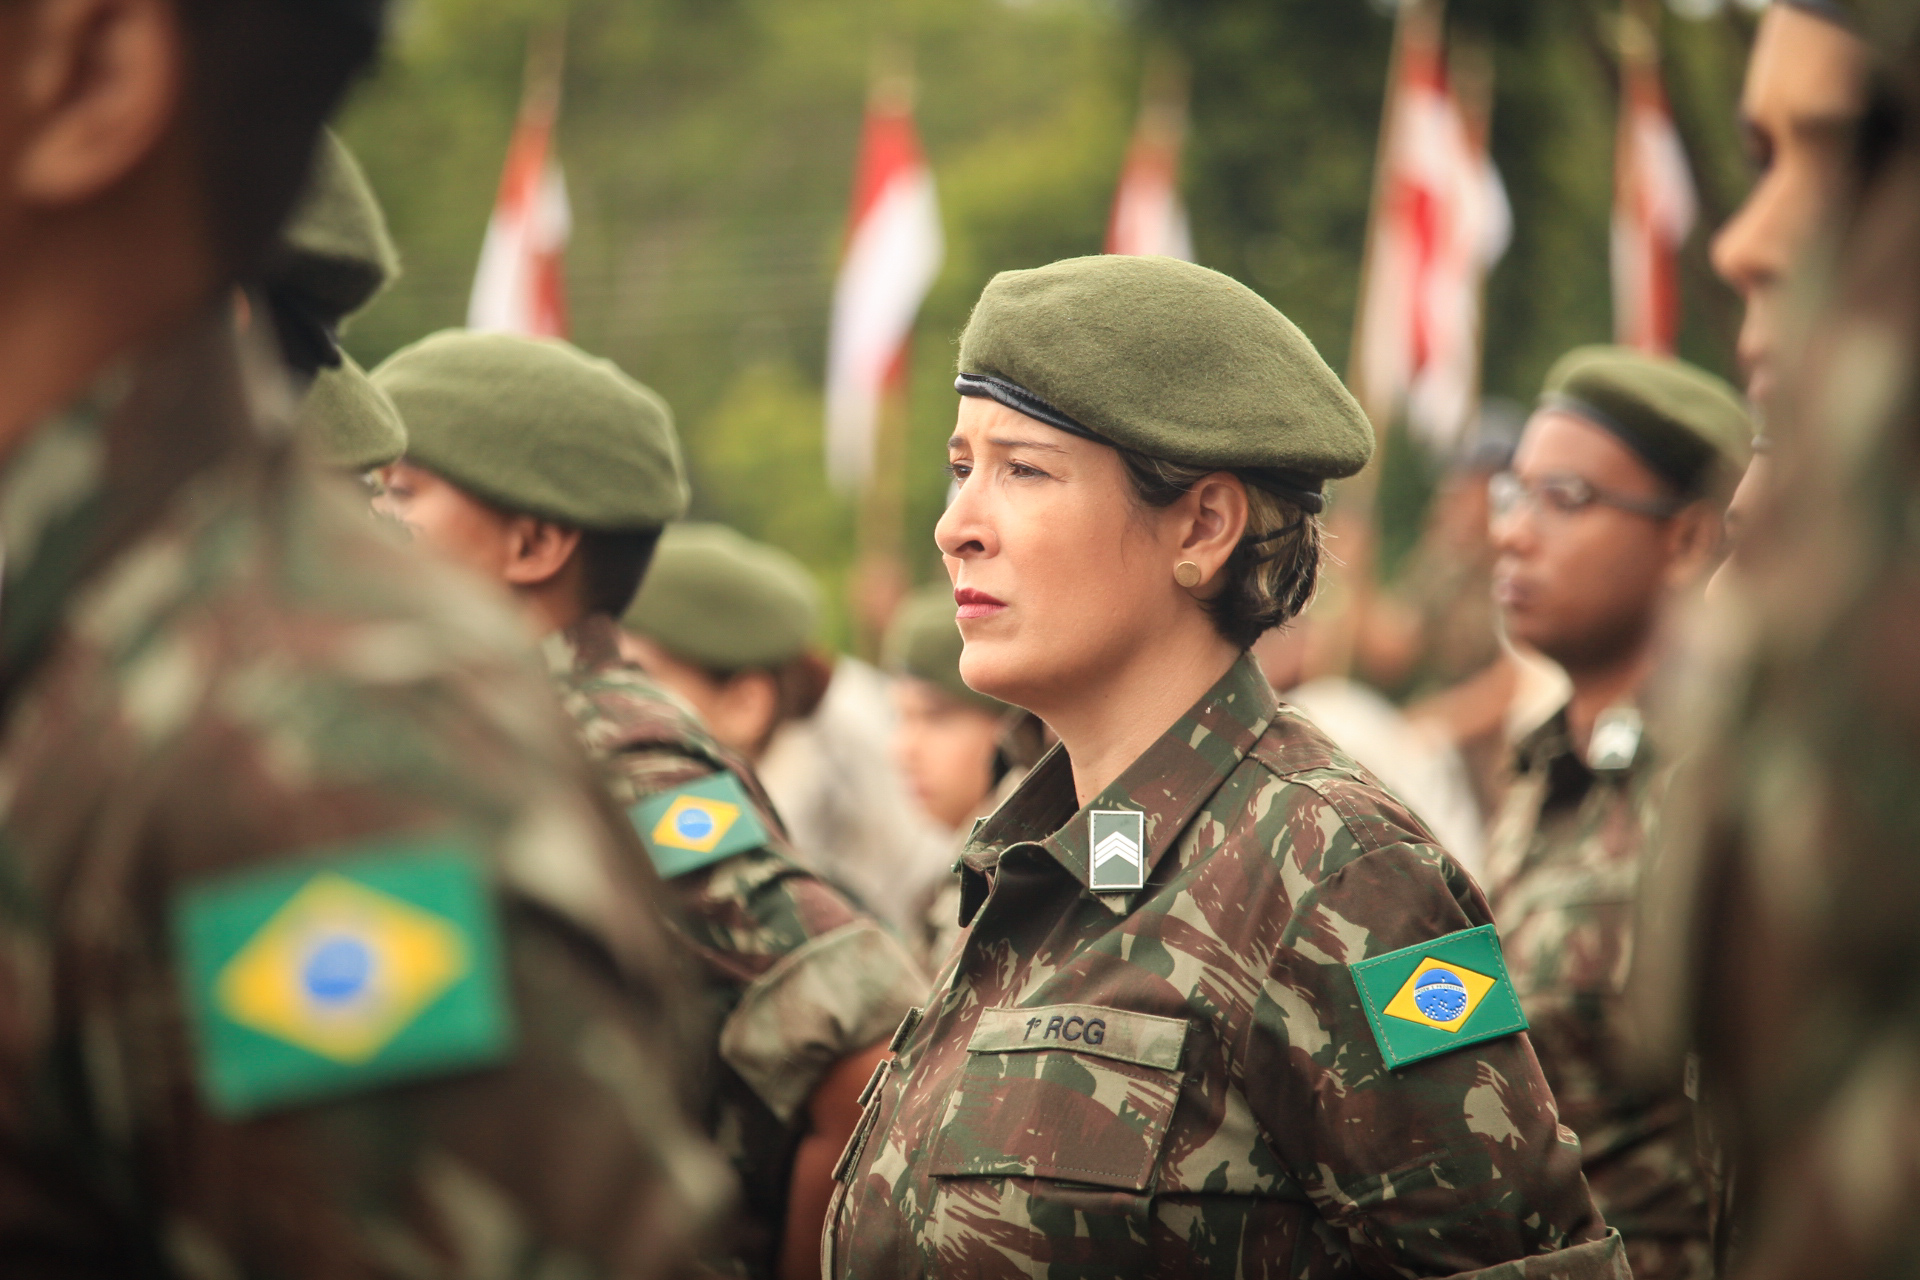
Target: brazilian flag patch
1438,996
374,964
696,825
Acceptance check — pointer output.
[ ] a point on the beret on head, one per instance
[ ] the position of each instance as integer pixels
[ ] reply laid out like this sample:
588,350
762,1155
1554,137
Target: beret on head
349,420
722,601
924,641
536,425
1170,360
1685,424
335,254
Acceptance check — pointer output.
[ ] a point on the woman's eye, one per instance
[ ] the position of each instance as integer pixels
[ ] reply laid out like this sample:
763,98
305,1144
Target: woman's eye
1023,471
959,470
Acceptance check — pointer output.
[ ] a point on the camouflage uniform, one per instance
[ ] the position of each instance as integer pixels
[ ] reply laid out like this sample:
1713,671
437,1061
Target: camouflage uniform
796,979
1563,870
214,666
1236,1117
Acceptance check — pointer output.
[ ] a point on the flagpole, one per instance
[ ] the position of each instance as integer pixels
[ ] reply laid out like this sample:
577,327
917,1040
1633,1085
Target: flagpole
1351,522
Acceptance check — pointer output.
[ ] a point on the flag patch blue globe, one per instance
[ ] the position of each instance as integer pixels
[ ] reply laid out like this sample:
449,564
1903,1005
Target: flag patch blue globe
694,823
1440,994
338,969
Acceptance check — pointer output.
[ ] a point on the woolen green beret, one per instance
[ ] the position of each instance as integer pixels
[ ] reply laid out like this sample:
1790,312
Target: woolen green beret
349,420
1685,424
335,253
538,426
924,641
1168,359
722,601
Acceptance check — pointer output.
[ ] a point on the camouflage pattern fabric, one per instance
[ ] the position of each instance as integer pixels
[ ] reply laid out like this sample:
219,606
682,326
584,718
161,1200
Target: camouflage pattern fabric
214,664
1563,870
1234,1115
795,977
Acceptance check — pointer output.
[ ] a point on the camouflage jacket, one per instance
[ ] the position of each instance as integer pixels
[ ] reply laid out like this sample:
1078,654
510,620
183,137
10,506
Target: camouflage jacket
1563,870
227,694
796,979
1233,1115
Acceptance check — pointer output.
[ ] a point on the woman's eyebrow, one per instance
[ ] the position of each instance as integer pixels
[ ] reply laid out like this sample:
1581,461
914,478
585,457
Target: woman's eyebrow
960,442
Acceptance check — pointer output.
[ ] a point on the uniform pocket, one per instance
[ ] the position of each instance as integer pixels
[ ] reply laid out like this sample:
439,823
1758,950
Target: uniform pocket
1059,1107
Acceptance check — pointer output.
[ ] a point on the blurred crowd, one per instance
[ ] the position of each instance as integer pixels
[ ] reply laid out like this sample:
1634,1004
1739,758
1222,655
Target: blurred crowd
424,852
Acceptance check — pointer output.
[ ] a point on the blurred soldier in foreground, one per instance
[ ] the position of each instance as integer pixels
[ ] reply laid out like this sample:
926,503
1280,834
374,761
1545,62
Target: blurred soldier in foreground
1610,514
332,261
1788,904
962,752
321,954
728,624
553,473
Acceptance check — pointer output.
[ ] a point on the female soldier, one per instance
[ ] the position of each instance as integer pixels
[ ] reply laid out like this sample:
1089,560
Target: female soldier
1224,1008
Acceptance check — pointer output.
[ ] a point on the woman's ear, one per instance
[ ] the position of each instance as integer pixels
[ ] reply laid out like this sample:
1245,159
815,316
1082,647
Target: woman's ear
538,550
1213,516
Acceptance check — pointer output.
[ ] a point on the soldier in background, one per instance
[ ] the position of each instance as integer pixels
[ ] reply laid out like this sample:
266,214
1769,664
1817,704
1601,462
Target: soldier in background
334,258
962,752
1610,517
728,624
321,951
553,473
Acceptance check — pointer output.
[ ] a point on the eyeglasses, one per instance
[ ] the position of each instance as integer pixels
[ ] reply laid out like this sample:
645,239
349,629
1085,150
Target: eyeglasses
1561,494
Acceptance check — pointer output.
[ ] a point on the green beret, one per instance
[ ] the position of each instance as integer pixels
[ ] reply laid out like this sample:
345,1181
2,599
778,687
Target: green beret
538,426
349,420
1685,424
924,641
1170,360
335,253
724,602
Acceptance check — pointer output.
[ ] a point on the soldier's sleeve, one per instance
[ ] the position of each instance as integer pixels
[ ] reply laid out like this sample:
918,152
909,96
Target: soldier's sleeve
820,980
388,1000
1452,1162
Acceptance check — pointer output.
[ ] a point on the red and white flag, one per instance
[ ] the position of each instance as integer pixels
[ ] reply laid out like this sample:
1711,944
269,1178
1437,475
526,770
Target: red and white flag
1148,216
1442,223
520,286
893,254
1654,205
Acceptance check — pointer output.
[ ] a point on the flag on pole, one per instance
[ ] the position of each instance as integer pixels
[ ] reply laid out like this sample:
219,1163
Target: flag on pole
1441,224
1654,206
1148,216
520,285
893,253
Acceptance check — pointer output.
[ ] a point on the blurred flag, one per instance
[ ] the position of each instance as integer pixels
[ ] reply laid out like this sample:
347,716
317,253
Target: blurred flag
893,253
1653,200
1441,222
519,287
1148,217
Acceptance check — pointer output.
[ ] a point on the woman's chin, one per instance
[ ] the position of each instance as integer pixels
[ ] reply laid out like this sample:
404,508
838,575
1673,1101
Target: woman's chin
998,671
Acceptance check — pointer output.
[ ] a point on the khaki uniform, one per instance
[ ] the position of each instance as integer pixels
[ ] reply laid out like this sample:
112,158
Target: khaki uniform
1563,872
222,682
795,978
1183,1080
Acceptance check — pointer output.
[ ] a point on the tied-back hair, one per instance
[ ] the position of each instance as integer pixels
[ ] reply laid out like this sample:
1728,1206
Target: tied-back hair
1271,574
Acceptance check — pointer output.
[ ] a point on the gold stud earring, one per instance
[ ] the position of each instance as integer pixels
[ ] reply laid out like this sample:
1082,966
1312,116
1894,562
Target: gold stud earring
1187,574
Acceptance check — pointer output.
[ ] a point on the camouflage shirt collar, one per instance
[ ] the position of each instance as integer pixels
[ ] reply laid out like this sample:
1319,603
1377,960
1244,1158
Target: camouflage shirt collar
591,644
1552,743
1170,782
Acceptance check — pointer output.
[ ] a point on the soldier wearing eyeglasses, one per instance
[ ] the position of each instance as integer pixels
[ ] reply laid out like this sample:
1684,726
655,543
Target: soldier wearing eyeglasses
1613,508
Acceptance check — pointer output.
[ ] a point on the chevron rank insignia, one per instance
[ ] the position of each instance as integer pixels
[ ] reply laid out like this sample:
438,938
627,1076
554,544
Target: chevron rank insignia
378,963
1438,996
1116,850
697,825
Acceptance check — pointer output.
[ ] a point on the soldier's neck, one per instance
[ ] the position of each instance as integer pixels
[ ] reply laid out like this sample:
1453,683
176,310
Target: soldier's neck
82,290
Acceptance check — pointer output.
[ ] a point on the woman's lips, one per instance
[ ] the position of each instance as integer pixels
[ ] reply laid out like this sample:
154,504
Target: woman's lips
975,604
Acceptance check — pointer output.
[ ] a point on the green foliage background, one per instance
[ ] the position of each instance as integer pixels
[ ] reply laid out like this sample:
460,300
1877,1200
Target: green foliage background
709,148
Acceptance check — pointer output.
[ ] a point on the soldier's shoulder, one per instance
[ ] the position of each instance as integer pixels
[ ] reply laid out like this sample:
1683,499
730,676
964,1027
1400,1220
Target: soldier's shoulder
1298,785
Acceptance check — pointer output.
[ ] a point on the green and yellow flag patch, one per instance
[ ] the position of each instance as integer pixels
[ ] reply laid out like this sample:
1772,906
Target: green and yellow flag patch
375,964
1438,996
696,825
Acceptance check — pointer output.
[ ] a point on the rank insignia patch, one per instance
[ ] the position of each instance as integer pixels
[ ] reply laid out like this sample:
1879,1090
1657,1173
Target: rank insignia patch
341,973
1438,996
1116,850
696,825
